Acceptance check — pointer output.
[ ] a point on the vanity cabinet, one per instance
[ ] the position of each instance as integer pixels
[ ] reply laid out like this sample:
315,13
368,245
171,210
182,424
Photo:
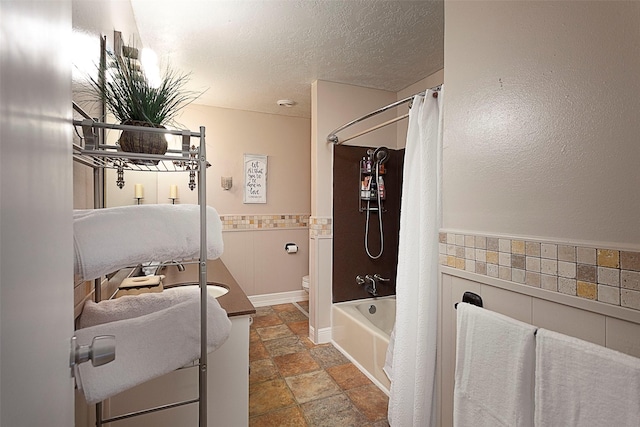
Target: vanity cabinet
227,372
227,389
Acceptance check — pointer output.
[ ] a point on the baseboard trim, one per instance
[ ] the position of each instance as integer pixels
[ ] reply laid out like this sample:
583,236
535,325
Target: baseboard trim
278,298
323,335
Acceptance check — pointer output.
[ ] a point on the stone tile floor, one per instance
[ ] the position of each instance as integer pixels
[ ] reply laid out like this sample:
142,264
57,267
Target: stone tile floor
293,382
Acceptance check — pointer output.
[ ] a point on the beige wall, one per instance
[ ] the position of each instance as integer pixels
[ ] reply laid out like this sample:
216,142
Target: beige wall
540,149
232,133
333,105
541,120
255,257
229,135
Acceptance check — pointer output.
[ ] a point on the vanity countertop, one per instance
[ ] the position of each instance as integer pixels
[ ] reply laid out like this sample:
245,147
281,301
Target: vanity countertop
234,302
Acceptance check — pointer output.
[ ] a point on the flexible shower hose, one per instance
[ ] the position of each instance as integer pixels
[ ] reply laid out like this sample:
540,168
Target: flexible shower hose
366,226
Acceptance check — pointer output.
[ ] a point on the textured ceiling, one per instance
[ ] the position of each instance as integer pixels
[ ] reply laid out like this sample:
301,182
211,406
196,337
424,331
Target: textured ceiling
248,54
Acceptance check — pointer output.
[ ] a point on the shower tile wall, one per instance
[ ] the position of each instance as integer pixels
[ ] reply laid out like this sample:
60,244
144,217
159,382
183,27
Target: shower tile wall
349,256
606,275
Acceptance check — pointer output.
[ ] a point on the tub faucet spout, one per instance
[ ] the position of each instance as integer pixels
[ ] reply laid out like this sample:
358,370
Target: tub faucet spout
372,288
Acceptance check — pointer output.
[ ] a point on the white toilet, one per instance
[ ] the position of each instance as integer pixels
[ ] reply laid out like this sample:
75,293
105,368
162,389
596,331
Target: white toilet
305,283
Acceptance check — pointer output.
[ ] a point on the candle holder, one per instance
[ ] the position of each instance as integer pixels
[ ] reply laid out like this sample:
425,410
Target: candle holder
173,193
138,192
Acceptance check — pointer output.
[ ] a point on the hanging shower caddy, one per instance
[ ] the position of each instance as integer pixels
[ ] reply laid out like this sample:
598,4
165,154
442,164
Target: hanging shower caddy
373,192
372,187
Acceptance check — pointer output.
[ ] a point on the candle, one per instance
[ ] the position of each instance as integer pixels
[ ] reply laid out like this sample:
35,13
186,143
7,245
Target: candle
139,191
173,191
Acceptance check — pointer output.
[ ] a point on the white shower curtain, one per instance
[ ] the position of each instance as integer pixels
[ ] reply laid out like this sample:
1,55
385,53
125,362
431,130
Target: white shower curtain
412,355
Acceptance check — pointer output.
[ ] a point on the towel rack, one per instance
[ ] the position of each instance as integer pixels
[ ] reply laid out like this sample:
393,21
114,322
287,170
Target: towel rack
98,156
471,298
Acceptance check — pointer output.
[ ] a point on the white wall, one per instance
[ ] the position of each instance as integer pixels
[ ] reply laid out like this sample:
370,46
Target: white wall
541,120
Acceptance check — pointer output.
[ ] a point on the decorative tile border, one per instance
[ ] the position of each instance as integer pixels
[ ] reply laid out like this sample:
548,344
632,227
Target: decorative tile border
605,275
256,222
320,226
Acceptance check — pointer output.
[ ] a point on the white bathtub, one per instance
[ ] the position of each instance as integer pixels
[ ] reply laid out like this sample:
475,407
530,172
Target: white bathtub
363,336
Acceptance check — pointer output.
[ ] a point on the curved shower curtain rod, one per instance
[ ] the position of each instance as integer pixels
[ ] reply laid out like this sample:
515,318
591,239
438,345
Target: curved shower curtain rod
333,138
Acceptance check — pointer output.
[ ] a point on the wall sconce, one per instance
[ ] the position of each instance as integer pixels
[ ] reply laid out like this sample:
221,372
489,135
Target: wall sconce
138,192
173,193
226,182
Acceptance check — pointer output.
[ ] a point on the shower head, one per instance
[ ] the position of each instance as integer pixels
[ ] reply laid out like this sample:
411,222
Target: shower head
381,154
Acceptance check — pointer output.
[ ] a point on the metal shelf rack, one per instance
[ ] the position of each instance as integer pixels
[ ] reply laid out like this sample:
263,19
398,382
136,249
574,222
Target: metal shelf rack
191,158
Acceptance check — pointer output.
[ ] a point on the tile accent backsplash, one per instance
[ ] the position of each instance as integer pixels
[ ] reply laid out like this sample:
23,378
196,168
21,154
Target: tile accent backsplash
320,226
251,222
606,275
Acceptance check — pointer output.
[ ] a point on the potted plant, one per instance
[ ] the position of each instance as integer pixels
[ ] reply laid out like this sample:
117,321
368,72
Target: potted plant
132,100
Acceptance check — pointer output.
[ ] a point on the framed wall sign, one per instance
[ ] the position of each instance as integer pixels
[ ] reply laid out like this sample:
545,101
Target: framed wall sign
255,178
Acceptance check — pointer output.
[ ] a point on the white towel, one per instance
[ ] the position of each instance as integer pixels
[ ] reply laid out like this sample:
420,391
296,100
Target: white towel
583,384
130,306
495,361
106,240
149,346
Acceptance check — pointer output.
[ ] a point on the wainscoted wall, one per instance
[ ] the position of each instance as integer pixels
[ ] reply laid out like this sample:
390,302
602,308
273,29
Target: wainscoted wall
540,168
600,323
349,256
320,272
255,251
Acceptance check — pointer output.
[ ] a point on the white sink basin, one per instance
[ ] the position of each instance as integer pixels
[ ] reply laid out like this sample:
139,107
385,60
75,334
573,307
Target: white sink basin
215,290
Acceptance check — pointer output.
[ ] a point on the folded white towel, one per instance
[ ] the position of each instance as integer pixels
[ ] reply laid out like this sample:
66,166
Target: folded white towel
494,370
583,384
149,346
130,306
106,240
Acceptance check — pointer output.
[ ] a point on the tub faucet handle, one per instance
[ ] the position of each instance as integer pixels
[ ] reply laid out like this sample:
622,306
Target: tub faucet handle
380,278
360,280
